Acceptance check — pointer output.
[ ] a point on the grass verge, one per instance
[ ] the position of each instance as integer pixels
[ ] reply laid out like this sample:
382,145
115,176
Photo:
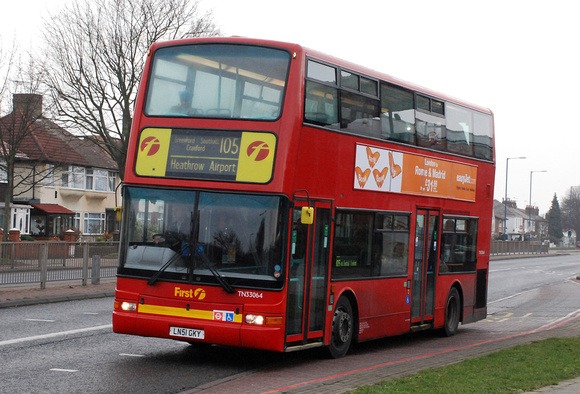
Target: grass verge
517,369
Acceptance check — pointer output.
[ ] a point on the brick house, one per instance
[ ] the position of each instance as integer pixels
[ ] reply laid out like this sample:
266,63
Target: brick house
75,182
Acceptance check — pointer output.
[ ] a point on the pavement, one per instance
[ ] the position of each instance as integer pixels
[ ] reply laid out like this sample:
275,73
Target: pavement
11,297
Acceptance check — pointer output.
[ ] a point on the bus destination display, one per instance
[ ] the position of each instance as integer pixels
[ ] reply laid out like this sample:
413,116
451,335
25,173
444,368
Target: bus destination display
230,156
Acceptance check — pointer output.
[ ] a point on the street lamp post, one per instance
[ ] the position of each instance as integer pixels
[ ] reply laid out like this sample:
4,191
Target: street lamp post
506,190
530,210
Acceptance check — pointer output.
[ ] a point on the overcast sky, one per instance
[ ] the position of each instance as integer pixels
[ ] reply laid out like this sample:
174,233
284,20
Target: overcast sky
520,58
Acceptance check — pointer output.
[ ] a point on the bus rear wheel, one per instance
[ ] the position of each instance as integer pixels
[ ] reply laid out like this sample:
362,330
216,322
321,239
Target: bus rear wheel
452,313
342,329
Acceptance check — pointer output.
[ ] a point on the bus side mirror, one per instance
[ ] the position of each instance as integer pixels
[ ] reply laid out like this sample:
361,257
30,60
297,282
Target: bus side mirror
119,211
307,215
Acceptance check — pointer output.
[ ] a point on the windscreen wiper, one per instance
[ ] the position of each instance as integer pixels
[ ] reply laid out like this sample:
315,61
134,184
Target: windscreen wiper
224,283
174,258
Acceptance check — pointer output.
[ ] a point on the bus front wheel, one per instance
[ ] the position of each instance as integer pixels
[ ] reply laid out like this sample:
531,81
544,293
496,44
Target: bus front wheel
452,313
342,328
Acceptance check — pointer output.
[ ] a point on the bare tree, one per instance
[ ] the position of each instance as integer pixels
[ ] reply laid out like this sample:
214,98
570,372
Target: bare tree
21,172
95,52
6,62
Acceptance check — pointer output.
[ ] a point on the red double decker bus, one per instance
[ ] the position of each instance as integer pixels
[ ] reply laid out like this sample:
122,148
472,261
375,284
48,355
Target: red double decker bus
279,198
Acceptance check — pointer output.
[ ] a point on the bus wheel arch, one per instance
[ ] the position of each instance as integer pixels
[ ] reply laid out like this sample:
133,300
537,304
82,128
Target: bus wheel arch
453,311
344,327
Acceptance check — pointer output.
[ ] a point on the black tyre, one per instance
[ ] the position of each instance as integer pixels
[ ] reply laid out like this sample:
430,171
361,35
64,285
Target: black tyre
342,328
452,313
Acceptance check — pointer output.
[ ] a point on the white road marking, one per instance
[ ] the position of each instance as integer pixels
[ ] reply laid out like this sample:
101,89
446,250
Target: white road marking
63,370
511,296
55,334
131,355
43,320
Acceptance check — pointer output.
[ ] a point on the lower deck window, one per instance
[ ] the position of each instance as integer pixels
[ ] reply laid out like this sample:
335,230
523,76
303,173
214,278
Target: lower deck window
368,244
458,245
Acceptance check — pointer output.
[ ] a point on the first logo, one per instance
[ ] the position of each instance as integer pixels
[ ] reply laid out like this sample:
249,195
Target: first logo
150,146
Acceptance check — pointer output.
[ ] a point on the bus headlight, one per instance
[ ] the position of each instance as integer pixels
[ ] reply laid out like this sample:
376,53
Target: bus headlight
260,320
126,306
255,319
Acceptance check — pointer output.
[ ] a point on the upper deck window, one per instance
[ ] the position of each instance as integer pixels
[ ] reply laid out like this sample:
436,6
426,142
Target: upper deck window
321,72
397,114
428,104
459,130
368,86
349,80
341,99
217,81
482,136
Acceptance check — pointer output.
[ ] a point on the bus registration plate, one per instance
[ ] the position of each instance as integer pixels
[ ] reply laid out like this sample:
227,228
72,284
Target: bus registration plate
186,332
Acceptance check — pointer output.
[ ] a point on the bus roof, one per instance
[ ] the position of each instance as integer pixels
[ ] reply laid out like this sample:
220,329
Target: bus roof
329,59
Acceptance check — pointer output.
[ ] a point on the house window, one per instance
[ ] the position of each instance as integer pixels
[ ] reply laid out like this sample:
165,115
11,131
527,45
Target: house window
48,175
73,177
101,179
78,177
96,180
94,223
88,178
77,220
112,180
65,176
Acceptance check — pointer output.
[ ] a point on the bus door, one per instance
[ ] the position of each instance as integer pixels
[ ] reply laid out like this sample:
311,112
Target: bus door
308,275
424,266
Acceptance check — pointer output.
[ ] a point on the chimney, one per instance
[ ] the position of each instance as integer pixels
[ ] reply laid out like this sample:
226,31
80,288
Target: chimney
30,105
534,210
510,203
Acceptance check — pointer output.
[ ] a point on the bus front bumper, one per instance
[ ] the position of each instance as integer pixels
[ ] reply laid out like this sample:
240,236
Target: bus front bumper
201,331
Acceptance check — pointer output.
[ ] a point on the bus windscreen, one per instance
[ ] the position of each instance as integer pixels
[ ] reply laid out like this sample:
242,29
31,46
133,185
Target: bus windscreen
189,234
217,81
